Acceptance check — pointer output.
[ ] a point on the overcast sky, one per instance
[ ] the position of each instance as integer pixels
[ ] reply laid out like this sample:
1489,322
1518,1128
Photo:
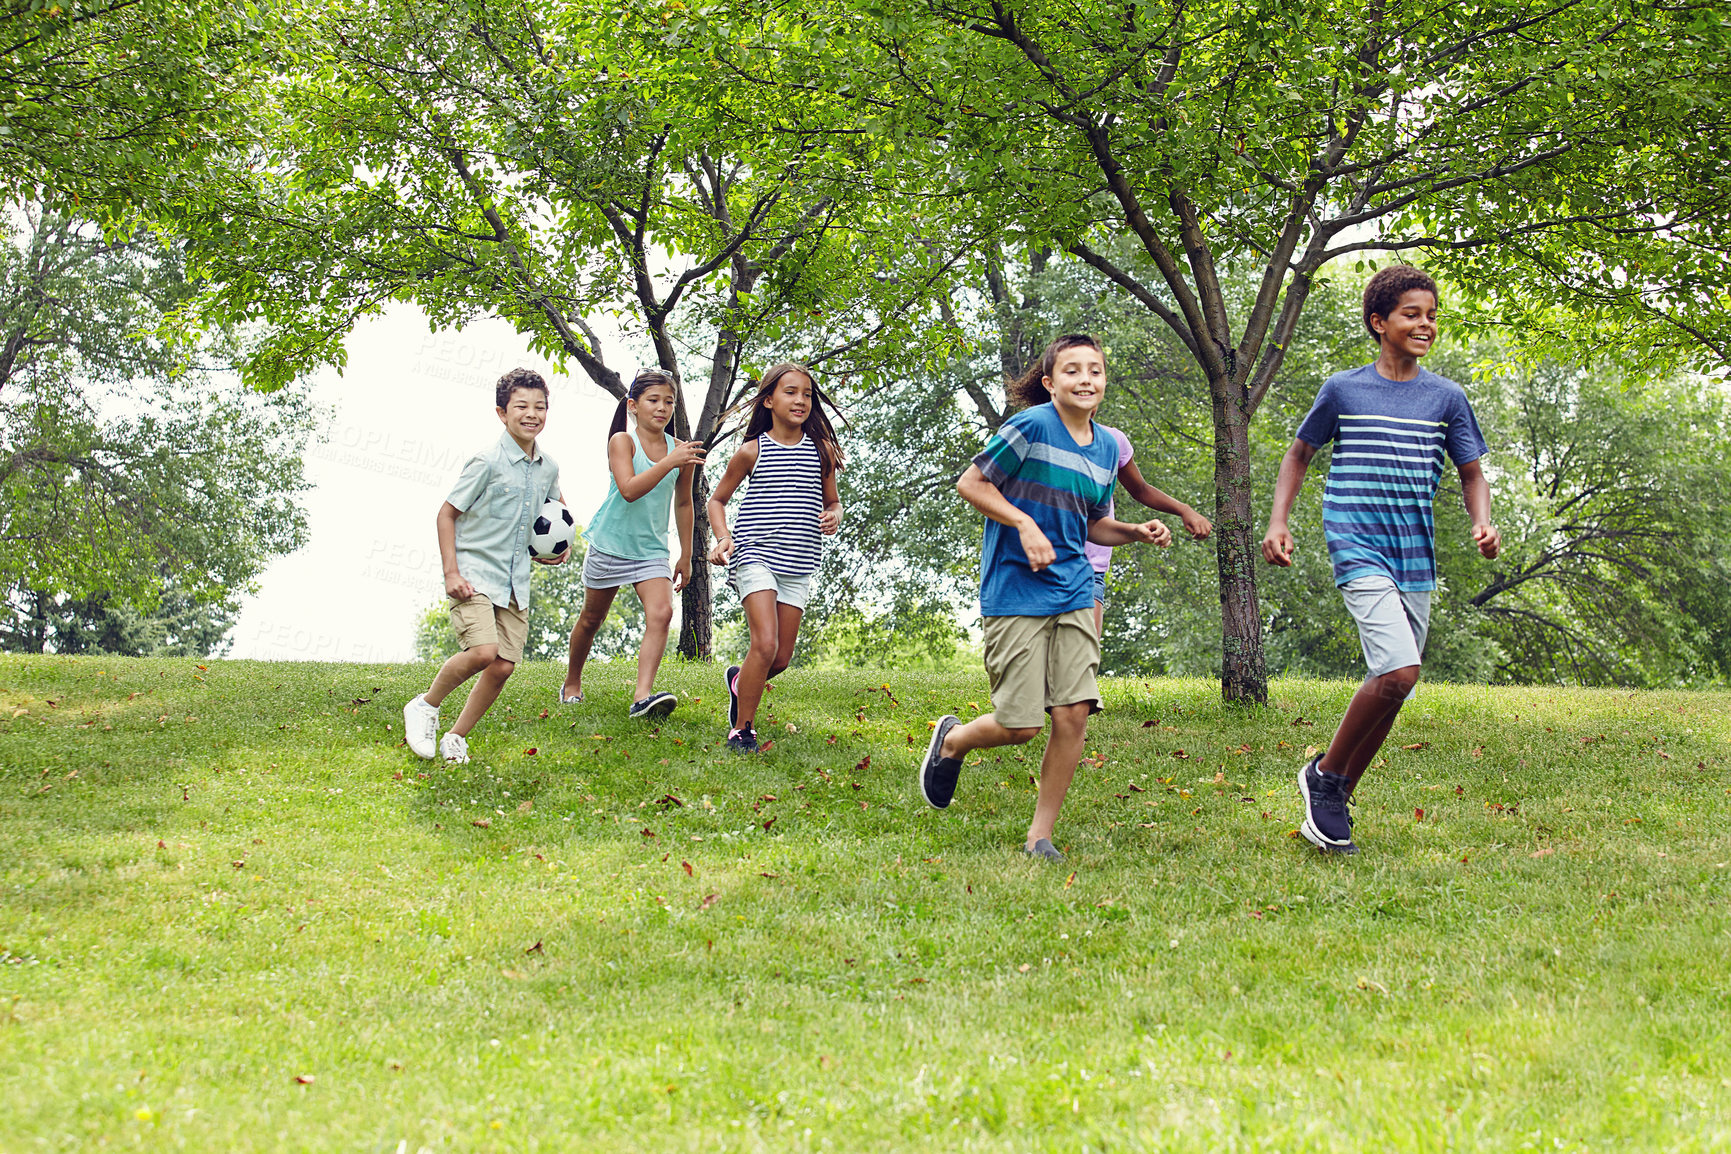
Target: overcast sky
411,407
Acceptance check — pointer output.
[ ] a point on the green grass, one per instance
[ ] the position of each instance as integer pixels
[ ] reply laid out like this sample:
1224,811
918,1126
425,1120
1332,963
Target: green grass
219,880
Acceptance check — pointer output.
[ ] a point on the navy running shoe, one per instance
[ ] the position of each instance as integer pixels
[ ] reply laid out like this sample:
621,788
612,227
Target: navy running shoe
1326,824
938,773
732,697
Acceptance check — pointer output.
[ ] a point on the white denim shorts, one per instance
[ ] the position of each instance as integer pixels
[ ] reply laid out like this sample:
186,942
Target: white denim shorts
755,577
1392,623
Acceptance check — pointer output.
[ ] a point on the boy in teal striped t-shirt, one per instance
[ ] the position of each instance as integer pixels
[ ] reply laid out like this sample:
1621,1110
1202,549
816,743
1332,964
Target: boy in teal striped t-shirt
1044,481
1391,423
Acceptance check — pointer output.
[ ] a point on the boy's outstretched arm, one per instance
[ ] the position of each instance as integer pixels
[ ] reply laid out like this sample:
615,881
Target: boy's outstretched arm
988,499
1477,492
1138,487
1277,542
1108,531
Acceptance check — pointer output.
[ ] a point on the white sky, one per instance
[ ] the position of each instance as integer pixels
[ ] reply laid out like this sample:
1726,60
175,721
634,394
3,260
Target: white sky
409,409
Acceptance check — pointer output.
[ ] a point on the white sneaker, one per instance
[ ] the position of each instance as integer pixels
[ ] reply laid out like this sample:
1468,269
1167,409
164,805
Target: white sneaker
421,726
454,748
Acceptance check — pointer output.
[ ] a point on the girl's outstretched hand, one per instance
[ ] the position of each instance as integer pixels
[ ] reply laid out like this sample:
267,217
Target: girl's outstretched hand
682,572
829,520
683,453
1197,525
722,551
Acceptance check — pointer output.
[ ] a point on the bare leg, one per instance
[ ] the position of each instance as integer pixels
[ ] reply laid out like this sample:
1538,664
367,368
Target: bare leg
787,619
458,668
984,732
596,603
481,698
657,597
1368,719
1058,766
764,622
1099,619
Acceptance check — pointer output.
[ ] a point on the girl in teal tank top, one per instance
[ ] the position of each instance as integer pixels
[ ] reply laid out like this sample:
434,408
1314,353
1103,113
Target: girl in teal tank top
649,474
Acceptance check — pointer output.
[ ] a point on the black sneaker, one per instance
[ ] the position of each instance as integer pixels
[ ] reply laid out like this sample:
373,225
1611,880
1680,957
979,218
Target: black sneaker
655,705
732,698
742,740
1326,824
938,773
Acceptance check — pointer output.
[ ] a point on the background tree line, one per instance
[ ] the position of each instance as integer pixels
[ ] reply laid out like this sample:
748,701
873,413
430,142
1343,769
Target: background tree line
910,196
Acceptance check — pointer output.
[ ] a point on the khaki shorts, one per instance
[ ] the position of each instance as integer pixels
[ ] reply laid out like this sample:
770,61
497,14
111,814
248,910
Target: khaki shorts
1036,663
480,622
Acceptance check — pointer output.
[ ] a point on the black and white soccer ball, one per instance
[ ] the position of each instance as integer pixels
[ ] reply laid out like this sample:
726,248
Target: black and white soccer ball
553,531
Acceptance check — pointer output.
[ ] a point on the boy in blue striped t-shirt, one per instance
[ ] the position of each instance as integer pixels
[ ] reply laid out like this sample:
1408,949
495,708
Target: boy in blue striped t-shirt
1391,423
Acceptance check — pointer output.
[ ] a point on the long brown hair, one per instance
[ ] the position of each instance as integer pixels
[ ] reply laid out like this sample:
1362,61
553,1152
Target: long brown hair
1026,391
816,424
639,385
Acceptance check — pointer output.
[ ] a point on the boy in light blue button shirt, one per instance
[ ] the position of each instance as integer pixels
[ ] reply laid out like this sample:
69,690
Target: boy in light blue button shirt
484,528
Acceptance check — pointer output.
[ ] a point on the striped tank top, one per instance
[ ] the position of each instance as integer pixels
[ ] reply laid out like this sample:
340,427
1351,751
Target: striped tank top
777,522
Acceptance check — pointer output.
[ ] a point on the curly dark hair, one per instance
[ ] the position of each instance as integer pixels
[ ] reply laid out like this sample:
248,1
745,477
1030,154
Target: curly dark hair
514,380
1026,391
1382,294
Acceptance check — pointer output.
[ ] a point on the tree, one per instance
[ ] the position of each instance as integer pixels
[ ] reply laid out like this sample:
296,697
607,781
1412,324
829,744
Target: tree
114,107
558,166
1271,139
139,494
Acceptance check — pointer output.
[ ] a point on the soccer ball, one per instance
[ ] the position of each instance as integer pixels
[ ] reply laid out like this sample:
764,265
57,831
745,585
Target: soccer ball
553,531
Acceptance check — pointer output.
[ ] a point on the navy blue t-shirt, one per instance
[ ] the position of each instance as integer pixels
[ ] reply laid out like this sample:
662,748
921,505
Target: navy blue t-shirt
1390,437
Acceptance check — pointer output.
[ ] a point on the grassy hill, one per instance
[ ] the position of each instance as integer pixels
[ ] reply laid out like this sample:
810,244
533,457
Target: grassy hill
238,915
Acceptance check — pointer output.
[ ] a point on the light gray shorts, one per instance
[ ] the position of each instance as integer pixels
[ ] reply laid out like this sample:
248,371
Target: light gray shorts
605,571
1392,623
755,577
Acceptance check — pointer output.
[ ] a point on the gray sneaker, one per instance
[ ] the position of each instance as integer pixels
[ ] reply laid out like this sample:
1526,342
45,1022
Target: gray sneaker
1044,849
421,727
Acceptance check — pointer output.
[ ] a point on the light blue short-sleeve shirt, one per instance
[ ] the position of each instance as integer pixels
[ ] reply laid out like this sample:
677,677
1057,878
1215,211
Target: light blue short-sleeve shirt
497,497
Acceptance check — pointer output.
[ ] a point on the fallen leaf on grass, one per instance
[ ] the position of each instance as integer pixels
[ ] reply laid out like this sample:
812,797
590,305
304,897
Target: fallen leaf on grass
304,1079
481,823
1478,751
1149,724
1546,852
647,832
767,824
1023,968
1180,754
531,751
535,949
1220,777
766,746
1070,881
708,900
687,867
1417,745
525,806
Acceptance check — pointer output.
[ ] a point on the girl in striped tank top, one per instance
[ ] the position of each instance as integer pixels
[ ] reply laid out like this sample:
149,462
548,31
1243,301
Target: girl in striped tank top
791,456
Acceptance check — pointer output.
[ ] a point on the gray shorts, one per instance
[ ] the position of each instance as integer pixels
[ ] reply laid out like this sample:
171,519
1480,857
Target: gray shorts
605,571
755,577
1392,623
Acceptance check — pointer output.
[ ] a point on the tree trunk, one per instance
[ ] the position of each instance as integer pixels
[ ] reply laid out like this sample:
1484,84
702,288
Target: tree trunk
1243,666
696,607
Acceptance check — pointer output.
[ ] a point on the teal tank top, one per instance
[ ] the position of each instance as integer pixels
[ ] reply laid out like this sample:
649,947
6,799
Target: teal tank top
635,530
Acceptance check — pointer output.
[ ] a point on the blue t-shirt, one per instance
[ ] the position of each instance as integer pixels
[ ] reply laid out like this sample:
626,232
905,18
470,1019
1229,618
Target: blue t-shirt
1040,469
1390,437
